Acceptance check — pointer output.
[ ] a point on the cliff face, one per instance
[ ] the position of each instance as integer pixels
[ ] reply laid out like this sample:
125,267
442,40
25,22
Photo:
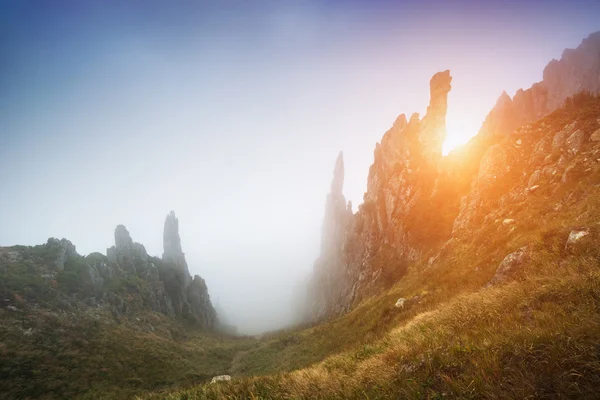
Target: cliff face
576,71
403,180
189,296
125,281
416,200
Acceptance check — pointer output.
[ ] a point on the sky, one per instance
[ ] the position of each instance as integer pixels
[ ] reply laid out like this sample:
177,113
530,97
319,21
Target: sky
232,113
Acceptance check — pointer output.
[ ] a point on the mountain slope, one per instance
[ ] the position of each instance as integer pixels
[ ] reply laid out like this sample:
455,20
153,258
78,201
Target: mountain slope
105,326
416,200
509,308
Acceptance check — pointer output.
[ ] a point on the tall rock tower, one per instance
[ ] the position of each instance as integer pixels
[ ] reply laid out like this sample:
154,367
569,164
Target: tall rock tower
189,296
395,221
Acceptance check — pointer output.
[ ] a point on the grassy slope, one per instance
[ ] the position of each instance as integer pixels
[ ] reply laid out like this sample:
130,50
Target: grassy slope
536,336
46,355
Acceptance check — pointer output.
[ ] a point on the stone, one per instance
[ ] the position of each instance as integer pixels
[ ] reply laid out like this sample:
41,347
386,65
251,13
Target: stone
540,151
402,182
125,253
595,137
65,250
400,303
189,297
221,378
575,141
576,236
508,221
535,178
409,184
558,140
508,265
122,238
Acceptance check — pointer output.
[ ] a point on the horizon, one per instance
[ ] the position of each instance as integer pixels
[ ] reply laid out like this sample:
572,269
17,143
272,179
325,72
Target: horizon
117,115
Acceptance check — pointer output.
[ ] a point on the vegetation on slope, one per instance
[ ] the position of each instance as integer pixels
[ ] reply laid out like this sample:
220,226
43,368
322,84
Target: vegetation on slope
535,336
44,354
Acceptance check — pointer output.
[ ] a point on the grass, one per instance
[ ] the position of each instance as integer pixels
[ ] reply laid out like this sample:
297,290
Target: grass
47,355
535,336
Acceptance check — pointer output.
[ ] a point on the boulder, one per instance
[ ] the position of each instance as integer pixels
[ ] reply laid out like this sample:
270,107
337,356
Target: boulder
221,378
64,250
400,303
509,264
575,141
576,238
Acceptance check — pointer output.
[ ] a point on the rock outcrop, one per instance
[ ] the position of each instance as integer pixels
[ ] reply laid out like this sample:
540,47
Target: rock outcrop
131,256
577,70
330,268
189,297
392,223
417,200
127,280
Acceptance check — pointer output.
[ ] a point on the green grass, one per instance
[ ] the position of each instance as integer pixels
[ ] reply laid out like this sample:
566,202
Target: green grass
89,356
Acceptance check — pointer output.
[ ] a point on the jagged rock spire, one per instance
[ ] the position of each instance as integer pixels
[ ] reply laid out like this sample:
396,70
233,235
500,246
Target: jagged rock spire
337,183
171,240
122,238
433,130
335,209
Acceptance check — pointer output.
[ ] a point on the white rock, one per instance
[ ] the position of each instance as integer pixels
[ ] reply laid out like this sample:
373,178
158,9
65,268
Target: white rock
400,302
221,378
576,235
534,188
508,221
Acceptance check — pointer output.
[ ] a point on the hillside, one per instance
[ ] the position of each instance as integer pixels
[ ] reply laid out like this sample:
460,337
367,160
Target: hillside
104,325
506,309
471,275
417,200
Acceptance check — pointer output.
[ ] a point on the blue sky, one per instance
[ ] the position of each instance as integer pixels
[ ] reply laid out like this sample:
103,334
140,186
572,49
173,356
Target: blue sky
232,114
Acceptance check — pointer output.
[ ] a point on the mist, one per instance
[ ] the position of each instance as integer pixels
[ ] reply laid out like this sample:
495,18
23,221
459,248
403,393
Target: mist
112,115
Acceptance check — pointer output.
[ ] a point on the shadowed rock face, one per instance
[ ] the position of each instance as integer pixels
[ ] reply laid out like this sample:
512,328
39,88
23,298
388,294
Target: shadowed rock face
127,281
402,181
416,200
175,293
189,297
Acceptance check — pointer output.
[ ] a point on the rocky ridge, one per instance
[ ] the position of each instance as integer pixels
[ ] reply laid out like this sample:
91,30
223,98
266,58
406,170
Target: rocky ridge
125,281
417,202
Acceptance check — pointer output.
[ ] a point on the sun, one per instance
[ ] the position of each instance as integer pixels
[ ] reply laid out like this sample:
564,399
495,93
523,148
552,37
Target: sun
460,127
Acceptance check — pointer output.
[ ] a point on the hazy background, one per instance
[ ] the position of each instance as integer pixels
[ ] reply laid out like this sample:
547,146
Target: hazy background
233,114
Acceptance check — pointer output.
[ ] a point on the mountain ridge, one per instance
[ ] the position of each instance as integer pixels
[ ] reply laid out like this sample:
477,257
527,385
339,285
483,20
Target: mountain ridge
416,199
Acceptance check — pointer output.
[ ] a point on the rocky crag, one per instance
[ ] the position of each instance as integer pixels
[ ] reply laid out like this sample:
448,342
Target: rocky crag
125,281
418,202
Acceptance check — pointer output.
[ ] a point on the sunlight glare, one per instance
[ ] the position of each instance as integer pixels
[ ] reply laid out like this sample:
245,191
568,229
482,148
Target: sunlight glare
460,128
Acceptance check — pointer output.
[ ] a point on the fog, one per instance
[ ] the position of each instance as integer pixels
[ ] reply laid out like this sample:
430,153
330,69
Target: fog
116,114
